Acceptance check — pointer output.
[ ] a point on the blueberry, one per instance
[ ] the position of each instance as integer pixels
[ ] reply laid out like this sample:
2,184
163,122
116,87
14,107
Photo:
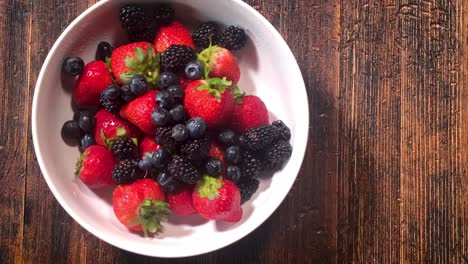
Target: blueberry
214,167
164,99
160,158
87,141
146,163
104,50
112,92
180,133
167,182
127,94
233,173
227,137
177,93
138,85
87,121
71,131
178,113
232,154
161,117
73,66
194,70
166,79
196,127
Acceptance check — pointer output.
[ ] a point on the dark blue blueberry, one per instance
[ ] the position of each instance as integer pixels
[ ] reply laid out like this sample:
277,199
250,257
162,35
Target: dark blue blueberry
87,121
227,137
104,50
138,85
178,113
177,93
164,99
87,141
167,182
194,70
112,92
73,66
127,94
196,127
166,79
180,133
146,163
160,158
233,173
232,154
161,117
214,167
71,132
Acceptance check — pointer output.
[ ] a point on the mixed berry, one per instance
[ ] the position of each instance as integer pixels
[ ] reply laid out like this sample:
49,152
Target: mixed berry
163,121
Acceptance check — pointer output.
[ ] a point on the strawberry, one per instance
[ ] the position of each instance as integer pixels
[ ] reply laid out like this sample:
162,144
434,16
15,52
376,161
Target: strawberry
148,146
94,79
140,205
250,111
95,167
135,58
211,100
217,199
109,126
217,152
138,112
219,63
173,34
180,201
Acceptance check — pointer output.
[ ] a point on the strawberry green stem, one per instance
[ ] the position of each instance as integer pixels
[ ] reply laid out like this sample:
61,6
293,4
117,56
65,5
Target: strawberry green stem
151,214
209,187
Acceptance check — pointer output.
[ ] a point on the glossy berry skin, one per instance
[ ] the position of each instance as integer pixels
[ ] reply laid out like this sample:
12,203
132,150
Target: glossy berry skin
108,125
127,171
164,99
127,94
220,63
73,66
161,117
217,152
138,85
180,200
167,182
87,141
104,50
173,34
227,137
166,79
196,127
252,112
91,83
95,167
71,132
177,93
147,146
112,92
194,70
180,133
139,111
87,121
233,154
146,164
160,158
233,173
214,167
178,113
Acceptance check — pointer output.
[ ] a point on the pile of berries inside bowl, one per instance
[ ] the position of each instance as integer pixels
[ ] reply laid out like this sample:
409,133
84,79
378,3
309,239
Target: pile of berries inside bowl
163,121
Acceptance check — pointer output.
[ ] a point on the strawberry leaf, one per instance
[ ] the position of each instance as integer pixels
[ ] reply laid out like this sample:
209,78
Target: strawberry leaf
126,76
205,59
140,55
209,187
238,94
131,63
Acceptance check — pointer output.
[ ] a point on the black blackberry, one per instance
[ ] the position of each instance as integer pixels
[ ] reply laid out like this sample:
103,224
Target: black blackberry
163,15
196,149
201,36
111,105
259,137
176,57
127,171
277,154
164,137
251,166
284,131
181,168
133,18
144,35
233,38
247,189
124,148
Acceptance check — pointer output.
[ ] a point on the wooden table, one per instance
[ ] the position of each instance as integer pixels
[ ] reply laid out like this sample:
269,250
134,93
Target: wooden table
385,175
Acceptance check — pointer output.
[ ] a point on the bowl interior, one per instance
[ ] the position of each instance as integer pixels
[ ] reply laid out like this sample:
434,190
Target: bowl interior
268,70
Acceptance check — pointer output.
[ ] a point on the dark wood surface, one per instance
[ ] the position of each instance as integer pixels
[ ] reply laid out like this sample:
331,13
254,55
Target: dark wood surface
385,175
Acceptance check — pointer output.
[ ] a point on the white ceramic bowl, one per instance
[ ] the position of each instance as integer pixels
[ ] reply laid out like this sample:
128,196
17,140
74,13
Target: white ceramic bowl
269,70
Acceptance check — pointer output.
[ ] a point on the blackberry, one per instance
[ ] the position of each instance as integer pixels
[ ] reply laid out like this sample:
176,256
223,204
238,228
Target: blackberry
247,189
196,149
111,105
127,171
278,154
145,35
259,137
124,148
164,137
284,131
181,169
233,38
163,15
251,165
201,36
133,18
176,57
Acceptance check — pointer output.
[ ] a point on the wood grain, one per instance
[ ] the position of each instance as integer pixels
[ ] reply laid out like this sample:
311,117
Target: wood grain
385,176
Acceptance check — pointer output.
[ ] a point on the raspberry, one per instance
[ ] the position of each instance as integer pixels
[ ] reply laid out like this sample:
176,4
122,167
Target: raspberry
124,148
127,171
247,189
233,38
176,57
196,149
202,35
181,169
259,137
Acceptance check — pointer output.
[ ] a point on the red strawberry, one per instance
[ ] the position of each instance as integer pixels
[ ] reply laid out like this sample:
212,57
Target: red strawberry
140,205
94,79
217,152
174,34
217,199
109,126
95,167
138,112
211,100
135,58
147,146
251,112
219,63
180,201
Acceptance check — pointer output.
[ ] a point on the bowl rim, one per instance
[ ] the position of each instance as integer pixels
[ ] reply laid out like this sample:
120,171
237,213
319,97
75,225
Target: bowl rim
237,236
